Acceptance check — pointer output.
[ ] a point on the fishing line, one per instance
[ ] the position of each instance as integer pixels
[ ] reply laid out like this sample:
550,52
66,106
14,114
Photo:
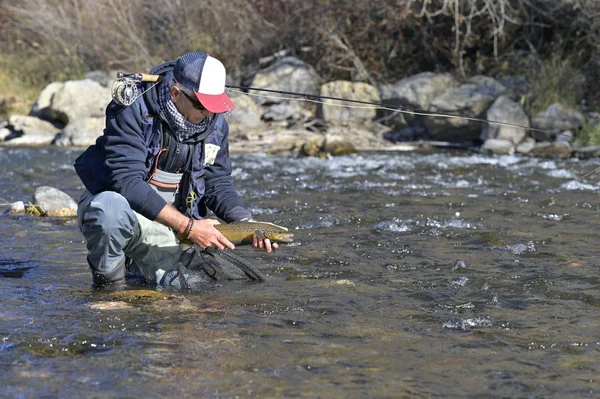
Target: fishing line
377,106
371,105
125,92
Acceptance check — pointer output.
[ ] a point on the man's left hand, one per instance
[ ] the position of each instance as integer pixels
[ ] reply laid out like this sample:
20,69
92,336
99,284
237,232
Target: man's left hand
266,244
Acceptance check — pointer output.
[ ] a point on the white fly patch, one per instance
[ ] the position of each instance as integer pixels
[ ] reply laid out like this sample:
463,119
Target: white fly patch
210,153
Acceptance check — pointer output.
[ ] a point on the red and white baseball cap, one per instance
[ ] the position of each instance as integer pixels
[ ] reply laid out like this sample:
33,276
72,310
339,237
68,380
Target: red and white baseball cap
205,75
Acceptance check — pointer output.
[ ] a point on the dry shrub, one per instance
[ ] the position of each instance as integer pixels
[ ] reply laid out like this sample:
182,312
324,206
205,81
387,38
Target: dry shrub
372,41
64,38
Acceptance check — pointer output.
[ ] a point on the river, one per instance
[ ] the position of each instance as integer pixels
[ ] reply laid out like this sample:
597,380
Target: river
415,275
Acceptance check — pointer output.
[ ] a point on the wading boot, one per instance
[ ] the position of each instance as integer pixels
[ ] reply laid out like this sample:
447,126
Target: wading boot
114,278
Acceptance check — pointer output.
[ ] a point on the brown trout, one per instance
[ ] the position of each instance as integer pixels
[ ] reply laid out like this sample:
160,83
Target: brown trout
242,232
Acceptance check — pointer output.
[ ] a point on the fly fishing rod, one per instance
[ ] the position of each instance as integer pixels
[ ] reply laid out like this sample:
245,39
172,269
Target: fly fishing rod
125,92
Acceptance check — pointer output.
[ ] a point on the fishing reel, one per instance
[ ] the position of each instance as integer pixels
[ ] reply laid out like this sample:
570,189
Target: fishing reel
125,90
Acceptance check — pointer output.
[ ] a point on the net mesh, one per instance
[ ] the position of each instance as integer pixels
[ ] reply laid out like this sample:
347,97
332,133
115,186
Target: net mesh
201,265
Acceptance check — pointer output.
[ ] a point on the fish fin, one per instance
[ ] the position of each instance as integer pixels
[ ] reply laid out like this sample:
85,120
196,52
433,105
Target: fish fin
259,235
274,225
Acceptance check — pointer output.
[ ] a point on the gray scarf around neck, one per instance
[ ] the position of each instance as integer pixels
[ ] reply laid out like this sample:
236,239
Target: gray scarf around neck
185,132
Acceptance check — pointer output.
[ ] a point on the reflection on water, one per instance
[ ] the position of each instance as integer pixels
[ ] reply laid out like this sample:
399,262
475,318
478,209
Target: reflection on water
413,275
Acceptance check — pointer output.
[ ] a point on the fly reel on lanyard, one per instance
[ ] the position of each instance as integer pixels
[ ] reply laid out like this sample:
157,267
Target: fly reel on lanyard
125,90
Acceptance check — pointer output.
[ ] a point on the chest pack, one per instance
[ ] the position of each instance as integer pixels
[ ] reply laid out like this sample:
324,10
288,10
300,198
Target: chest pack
176,170
172,161
171,164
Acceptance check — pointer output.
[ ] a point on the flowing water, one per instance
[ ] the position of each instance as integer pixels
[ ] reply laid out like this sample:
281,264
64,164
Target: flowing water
412,275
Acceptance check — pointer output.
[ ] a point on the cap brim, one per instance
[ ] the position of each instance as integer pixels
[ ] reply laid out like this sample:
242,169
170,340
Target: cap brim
216,103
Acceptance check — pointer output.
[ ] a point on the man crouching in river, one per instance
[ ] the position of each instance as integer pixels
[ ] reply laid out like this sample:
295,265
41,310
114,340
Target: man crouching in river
161,163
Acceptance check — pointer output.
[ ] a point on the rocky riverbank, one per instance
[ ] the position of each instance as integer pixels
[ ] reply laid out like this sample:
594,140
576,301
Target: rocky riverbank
71,113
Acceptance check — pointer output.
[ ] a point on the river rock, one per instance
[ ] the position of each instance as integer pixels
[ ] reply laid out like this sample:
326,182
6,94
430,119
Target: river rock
362,135
293,140
488,85
245,115
15,207
81,132
54,202
331,110
498,147
282,112
556,118
587,152
566,136
470,100
415,92
286,74
418,91
29,130
312,147
337,145
78,99
42,105
558,149
4,130
526,146
505,110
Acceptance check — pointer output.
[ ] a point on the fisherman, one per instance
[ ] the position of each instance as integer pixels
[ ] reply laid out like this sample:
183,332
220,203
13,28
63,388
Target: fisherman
160,165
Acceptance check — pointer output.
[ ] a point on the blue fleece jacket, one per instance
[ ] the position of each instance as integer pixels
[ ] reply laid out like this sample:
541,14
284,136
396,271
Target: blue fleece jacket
123,159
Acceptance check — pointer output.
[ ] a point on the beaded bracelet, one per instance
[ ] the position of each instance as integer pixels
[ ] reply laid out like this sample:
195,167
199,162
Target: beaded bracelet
189,232
188,229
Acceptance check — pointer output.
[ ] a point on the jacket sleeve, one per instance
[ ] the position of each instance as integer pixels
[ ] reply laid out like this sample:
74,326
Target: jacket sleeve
221,197
125,155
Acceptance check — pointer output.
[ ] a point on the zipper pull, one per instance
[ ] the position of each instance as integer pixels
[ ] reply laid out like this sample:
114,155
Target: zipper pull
177,149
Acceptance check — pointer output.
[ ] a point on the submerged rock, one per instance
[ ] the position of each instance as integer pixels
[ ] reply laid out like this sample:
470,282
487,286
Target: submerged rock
137,295
558,149
54,202
498,146
338,145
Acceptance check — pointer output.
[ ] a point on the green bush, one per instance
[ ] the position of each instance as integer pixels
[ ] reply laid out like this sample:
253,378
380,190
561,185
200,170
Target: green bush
557,79
589,134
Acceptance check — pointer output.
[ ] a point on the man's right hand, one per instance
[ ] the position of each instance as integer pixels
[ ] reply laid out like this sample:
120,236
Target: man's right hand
205,235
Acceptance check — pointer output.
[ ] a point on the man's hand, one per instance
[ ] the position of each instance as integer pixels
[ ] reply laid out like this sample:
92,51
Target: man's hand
205,235
261,243
266,244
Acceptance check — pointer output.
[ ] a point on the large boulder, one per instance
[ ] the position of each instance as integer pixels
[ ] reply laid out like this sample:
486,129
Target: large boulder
41,108
288,111
557,118
80,133
28,130
488,85
414,92
246,114
418,91
77,99
342,112
505,110
287,74
468,100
